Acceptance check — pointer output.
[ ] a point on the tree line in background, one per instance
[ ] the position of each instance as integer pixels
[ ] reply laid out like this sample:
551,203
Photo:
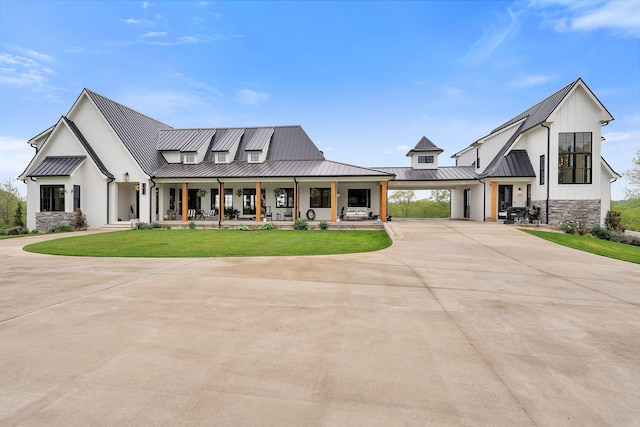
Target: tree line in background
629,208
13,212
403,204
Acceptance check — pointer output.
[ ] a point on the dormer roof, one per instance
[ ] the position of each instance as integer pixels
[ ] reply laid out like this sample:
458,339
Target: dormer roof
425,146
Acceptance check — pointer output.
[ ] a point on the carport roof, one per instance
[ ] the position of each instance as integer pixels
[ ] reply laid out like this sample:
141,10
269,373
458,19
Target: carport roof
446,173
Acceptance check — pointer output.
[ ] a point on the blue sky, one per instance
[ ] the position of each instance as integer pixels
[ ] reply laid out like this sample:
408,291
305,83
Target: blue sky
366,80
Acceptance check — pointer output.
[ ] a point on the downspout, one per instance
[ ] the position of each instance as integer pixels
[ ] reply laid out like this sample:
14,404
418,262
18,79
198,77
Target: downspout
151,200
296,199
546,179
109,181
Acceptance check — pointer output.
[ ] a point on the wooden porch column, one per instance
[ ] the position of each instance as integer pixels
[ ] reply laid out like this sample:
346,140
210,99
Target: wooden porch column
383,201
494,201
185,201
334,201
258,201
221,204
296,200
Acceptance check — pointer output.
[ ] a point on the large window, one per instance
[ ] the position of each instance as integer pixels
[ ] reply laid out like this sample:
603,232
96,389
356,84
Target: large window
543,167
360,198
574,158
52,198
320,198
284,199
76,197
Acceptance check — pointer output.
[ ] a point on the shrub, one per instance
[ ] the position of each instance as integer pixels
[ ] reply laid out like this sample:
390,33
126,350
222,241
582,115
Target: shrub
576,227
17,217
16,230
242,227
61,227
324,225
192,225
613,221
300,224
144,226
156,225
268,226
79,220
168,227
4,231
602,233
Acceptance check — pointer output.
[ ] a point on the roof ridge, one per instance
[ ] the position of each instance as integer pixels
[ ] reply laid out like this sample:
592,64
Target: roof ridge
128,108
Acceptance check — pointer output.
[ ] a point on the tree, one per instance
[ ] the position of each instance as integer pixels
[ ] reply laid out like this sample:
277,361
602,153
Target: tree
18,220
9,199
633,177
400,201
440,196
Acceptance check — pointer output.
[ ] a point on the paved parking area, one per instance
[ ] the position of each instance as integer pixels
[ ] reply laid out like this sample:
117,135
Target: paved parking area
458,323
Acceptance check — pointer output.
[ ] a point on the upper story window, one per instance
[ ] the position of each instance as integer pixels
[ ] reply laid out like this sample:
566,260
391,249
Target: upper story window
52,198
189,158
574,158
478,158
426,159
542,169
221,158
254,157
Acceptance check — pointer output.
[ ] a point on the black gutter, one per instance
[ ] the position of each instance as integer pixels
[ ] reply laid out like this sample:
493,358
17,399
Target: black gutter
546,178
221,203
151,200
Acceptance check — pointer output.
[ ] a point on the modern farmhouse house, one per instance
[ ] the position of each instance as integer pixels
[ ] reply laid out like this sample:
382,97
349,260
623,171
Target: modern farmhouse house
117,164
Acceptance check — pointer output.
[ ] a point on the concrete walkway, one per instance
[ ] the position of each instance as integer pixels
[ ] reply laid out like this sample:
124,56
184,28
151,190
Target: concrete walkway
458,323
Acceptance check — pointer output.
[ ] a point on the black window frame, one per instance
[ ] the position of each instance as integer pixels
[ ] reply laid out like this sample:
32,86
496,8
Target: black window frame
543,169
359,198
426,159
323,199
76,197
572,154
478,158
52,198
285,198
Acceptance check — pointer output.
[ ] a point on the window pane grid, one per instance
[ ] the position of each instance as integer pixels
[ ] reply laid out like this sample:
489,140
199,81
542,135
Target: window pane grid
574,158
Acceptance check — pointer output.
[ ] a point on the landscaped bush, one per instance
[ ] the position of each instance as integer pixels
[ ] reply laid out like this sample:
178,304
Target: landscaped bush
144,226
574,227
324,225
242,227
602,233
156,225
268,226
4,231
79,220
300,224
613,221
61,227
192,225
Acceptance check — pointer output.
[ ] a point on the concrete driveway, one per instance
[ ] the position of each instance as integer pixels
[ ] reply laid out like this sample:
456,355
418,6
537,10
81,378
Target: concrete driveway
458,323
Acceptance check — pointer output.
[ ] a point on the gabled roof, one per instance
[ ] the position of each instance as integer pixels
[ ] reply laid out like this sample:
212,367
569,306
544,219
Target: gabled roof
227,139
184,140
425,145
446,173
57,166
88,148
260,139
534,116
138,133
268,169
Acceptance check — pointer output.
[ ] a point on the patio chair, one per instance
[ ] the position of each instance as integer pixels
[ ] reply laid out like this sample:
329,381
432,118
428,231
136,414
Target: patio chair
288,213
171,215
191,213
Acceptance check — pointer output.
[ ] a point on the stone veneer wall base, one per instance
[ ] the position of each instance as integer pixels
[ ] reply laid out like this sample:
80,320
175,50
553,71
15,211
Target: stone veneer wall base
562,211
45,220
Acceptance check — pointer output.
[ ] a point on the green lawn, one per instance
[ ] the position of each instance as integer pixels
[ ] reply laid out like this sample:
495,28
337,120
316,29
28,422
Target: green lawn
214,243
593,245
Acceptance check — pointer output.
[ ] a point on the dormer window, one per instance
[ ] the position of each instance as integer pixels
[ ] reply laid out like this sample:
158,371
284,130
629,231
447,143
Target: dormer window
426,159
189,158
221,158
254,157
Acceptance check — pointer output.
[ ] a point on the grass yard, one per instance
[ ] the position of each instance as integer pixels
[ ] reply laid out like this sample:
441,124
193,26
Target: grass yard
593,245
213,243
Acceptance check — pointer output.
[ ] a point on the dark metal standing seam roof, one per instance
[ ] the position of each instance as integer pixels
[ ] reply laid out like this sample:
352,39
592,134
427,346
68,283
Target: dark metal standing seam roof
184,140
268,169
446,173
228,139
425,145
515,164
139,133
260,139
57,166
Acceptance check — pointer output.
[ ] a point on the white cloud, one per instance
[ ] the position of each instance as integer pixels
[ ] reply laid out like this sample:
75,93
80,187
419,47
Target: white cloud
251,97
146,4
616,136
492,38
154,34
15,154
622,17
453,91
528,80
130,21
26,70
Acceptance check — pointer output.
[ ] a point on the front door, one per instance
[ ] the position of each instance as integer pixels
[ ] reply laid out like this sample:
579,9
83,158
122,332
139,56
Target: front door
505,199
467,202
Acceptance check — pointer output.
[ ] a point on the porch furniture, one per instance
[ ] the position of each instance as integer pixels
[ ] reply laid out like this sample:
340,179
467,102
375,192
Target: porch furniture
266,213
515,214
288,213
171,215
212,214
278,216
191,213
356,215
